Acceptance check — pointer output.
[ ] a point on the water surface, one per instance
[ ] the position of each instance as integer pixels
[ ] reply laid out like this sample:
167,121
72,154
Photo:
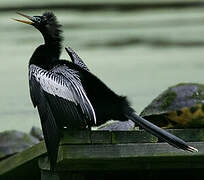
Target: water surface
138,54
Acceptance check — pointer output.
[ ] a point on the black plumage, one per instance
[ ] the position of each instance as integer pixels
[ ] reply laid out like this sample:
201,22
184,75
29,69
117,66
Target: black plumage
67,94
76,59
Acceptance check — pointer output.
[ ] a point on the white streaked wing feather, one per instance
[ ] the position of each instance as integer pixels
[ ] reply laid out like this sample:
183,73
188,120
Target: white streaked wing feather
65,83
74,78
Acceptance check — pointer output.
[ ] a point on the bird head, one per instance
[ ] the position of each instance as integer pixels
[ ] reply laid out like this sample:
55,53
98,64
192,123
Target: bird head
47,24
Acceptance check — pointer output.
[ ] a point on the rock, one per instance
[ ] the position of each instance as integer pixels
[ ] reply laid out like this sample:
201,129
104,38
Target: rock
180,106
117,126
37,133
12,142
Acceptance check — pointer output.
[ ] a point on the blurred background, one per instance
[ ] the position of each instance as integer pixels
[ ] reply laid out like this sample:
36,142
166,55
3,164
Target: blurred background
137,47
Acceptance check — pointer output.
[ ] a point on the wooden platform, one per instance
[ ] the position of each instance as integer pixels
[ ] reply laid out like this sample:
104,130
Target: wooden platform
104,154
87,155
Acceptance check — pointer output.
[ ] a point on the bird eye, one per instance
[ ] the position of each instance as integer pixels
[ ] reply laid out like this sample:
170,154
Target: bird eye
37,19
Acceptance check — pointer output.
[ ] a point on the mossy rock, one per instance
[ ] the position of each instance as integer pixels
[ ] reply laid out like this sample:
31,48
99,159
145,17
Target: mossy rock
180,106
12,142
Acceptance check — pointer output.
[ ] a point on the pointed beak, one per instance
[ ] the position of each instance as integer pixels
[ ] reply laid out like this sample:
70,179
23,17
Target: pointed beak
23,21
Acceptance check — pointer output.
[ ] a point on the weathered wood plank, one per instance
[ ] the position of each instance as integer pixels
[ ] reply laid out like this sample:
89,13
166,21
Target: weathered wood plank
119,137
47,175
139,175
124,137
189,135
124,150
18,160
101,137
86,137
106,137
126,157
76,137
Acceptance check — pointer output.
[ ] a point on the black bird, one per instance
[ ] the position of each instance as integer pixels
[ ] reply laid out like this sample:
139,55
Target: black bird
67,94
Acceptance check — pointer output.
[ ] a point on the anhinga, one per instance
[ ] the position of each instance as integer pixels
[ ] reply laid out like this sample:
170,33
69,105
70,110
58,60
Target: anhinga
67,94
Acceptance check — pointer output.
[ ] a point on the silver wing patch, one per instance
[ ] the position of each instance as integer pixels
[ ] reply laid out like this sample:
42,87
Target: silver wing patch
65,83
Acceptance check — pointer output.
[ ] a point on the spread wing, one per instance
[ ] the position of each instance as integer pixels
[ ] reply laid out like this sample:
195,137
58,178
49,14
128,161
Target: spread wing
61,102
76,59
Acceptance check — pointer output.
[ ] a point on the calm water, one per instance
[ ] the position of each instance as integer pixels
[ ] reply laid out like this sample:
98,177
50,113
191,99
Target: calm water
136,54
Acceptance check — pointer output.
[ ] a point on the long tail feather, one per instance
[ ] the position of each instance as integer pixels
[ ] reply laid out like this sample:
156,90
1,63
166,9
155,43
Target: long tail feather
161,133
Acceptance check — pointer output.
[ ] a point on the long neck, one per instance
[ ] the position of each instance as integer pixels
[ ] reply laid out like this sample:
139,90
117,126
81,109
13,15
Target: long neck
46,54
53,42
